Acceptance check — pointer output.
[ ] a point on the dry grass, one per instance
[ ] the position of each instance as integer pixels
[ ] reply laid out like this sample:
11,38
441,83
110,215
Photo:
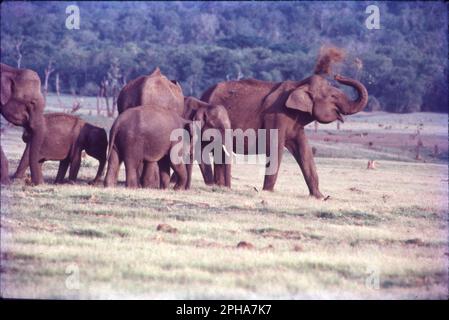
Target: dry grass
390,222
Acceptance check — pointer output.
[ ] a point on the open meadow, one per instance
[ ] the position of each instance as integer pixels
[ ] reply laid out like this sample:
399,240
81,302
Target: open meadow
383,233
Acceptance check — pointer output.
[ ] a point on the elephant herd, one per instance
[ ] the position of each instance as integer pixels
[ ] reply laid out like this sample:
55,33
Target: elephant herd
152,107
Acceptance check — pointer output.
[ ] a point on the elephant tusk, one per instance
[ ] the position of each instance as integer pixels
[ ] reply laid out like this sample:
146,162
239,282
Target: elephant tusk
226,151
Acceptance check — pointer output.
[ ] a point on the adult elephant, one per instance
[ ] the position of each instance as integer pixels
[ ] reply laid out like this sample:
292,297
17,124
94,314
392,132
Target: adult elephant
22,104
154,90
287,106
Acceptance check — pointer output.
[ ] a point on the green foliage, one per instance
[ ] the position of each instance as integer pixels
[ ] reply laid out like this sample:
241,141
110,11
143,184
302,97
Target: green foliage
201,43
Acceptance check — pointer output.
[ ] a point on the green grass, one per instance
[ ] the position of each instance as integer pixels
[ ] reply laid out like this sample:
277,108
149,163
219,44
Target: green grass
392,220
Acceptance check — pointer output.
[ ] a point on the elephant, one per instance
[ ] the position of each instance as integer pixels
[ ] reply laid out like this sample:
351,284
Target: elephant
142,135
210,117
4,176
287,107
65,139
154,90
22,104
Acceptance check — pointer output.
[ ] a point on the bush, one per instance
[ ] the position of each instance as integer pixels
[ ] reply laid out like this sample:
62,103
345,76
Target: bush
89,89
373,104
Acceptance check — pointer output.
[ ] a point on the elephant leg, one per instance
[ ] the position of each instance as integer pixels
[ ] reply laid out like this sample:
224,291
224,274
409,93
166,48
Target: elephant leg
181,173
37,138
164,172
219,174
102,163
24,163
131,168
273,152
113,169
62,170
222,171
302,152
75,165
149,176
207,173
4,177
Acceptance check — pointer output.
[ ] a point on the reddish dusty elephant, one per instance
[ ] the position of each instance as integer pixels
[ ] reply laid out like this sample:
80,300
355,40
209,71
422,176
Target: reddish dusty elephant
287,107
154,90
22,104
65,139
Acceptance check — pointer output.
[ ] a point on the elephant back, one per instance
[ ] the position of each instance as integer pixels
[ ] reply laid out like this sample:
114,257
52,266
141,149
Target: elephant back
155,90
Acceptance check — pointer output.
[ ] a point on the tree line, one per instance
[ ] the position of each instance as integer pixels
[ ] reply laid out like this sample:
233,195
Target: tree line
403,64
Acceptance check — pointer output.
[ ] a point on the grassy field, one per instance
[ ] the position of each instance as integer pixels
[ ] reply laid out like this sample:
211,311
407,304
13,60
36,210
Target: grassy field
382,234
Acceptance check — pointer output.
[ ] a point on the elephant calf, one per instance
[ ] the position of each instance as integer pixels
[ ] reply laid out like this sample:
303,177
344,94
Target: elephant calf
66,137
141,135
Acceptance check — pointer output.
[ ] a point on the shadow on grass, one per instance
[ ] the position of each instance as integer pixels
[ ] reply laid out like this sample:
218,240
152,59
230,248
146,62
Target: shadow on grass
89,233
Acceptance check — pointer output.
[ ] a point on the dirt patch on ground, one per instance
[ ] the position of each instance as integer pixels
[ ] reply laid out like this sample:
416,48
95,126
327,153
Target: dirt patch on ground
277,234
163,227
245,245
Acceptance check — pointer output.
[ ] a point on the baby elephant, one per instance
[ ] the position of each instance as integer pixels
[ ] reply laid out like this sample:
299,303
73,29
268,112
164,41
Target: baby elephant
141,135
65,138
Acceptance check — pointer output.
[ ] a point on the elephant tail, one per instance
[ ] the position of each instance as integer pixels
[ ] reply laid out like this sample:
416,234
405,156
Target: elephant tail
328,55
112,134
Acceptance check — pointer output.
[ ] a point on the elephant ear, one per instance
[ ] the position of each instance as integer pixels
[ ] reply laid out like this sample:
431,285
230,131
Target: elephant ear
192,106
175,82
6,91
200,115
300,99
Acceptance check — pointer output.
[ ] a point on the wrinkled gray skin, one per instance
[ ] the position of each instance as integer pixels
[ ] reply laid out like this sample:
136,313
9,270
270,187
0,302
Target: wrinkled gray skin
287,106
141,135
211,117
65,139
22,104
154,90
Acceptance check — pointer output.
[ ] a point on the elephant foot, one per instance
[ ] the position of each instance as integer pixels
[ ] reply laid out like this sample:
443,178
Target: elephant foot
319,196
94,183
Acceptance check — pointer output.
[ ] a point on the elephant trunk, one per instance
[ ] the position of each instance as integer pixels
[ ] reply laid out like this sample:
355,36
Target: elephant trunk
354,106
37,128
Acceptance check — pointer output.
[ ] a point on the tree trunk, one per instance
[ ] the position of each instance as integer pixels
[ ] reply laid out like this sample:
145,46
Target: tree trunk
114,100
99,95
48,72
106,97
58,92
19,52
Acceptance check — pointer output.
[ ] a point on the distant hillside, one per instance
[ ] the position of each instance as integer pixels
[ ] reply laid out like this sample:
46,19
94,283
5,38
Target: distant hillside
200,43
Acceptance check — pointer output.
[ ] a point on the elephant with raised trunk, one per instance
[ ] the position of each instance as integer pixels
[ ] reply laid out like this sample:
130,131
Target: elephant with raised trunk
287,106
22,104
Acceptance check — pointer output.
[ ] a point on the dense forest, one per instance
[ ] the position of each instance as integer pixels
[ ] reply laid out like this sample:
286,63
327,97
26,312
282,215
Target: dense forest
403,64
